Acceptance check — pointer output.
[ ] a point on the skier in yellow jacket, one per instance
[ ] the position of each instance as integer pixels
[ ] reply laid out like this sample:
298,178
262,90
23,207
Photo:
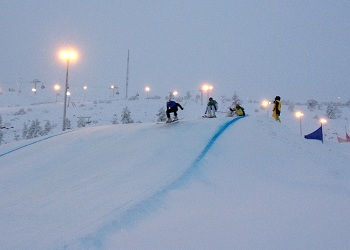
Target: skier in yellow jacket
277,108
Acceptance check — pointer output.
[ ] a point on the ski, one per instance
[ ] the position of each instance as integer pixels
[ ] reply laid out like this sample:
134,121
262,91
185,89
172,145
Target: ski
170,122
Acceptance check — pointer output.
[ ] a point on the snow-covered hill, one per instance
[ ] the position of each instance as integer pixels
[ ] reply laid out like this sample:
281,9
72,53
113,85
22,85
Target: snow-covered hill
224,183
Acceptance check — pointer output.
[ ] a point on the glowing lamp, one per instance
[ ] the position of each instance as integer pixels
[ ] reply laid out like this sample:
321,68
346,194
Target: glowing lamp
298,114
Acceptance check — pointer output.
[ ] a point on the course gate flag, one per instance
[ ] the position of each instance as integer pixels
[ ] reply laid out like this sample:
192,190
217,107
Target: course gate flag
317,135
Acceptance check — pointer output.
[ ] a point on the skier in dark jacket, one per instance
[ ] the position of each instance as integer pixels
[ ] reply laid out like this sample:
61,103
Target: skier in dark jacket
277,108
172,107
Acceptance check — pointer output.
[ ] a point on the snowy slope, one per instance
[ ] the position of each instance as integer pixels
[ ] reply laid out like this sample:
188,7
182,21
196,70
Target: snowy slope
218,183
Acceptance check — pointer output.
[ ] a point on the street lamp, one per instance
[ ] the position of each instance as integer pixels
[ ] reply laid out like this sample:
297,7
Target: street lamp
299,115
322,121
85,88
147,89
35,81
175,93
112,89
265,104
57,88
67,55
207,88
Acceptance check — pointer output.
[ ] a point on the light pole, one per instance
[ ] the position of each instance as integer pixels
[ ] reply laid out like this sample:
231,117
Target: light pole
112,89
85,88
57,88
201,90
299,115
265,104
322,121
147,89
67,55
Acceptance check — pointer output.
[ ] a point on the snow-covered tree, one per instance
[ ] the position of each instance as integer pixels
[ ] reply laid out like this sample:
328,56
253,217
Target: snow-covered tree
291,107
115,119
332,112
16,137
347,104
125,117
161,115
20,112
187,96
34,130
1,136
312,104
236,100
81,122
67,124
0,121
25,131
47,127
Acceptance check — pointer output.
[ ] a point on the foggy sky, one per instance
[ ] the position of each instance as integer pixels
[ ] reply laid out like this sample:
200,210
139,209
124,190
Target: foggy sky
296,49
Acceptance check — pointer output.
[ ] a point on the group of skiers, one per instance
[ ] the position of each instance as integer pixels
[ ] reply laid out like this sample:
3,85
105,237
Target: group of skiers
212,107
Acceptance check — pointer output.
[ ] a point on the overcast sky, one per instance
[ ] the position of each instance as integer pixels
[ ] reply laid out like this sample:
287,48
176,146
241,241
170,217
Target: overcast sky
259,48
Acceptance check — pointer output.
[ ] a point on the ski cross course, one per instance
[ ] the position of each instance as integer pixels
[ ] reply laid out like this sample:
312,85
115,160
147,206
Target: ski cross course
96,239
151,200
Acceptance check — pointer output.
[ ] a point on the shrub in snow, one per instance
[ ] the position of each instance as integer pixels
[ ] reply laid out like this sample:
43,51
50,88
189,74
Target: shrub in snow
20,112
24,131
115,119
312,104
155,97
125,117
47,127
134,97
291,107
16,137
81,122
34,130
1,136
67,124
161,115
236,100
332,112
187,96
347,104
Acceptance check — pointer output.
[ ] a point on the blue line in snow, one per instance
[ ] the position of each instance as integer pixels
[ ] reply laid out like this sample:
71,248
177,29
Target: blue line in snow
97,239
196,162
212,140
13,150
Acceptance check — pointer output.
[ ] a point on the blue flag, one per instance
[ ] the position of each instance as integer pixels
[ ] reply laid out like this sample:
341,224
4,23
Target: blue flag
317,135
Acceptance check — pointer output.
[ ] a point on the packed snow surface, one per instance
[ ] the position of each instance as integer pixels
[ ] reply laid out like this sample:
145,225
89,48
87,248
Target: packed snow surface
224,183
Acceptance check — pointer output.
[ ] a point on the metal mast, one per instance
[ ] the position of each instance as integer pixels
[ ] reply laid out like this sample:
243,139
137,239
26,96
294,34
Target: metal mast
127,77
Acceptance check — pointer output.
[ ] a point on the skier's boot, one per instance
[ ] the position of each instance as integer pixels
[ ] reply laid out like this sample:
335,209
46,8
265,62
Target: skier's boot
168,120
175,118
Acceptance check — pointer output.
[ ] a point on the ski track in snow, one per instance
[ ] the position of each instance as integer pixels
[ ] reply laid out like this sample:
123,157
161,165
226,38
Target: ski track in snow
150,204
29,144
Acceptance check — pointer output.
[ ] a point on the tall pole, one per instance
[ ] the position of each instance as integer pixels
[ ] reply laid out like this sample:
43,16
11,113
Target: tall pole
201,97
301,134
65,99
127,77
